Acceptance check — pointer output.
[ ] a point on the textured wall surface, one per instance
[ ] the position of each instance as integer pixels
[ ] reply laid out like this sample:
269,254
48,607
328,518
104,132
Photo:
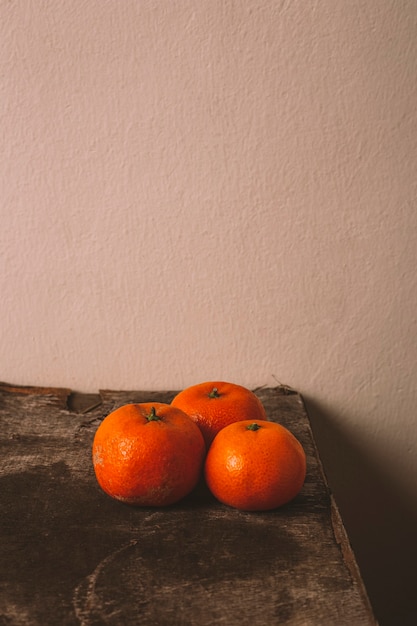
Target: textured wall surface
197,189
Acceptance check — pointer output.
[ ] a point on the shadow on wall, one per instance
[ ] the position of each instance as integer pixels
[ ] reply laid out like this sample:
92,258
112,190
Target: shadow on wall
380,521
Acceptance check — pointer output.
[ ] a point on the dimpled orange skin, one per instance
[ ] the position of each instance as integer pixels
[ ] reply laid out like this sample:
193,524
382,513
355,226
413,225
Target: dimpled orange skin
255,470
216,404
148,462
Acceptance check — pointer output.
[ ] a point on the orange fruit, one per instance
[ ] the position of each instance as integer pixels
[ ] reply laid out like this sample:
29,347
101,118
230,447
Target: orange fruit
214,405
148,454
255,466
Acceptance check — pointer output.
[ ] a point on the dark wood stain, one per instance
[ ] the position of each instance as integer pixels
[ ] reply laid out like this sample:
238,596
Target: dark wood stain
71,555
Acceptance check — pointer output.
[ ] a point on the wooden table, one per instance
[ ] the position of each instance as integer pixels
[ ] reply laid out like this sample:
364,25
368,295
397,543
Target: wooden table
71,555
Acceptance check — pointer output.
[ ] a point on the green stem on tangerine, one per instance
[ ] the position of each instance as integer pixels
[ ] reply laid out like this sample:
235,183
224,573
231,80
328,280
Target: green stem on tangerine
253,426
152,417
214,393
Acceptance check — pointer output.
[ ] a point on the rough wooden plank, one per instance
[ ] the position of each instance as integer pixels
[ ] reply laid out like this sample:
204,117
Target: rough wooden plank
69,554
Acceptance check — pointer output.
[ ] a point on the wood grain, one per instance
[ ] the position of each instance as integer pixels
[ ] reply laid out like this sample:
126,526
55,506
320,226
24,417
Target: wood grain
71,555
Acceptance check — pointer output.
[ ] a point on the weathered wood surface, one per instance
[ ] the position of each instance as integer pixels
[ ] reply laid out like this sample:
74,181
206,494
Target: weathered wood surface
71,555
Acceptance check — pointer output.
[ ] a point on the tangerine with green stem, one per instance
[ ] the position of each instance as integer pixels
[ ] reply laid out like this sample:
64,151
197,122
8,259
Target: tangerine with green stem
148,454
216,404
255,465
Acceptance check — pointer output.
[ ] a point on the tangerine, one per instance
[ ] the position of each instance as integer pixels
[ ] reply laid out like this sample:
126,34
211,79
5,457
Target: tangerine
148,454
255,466
214,405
